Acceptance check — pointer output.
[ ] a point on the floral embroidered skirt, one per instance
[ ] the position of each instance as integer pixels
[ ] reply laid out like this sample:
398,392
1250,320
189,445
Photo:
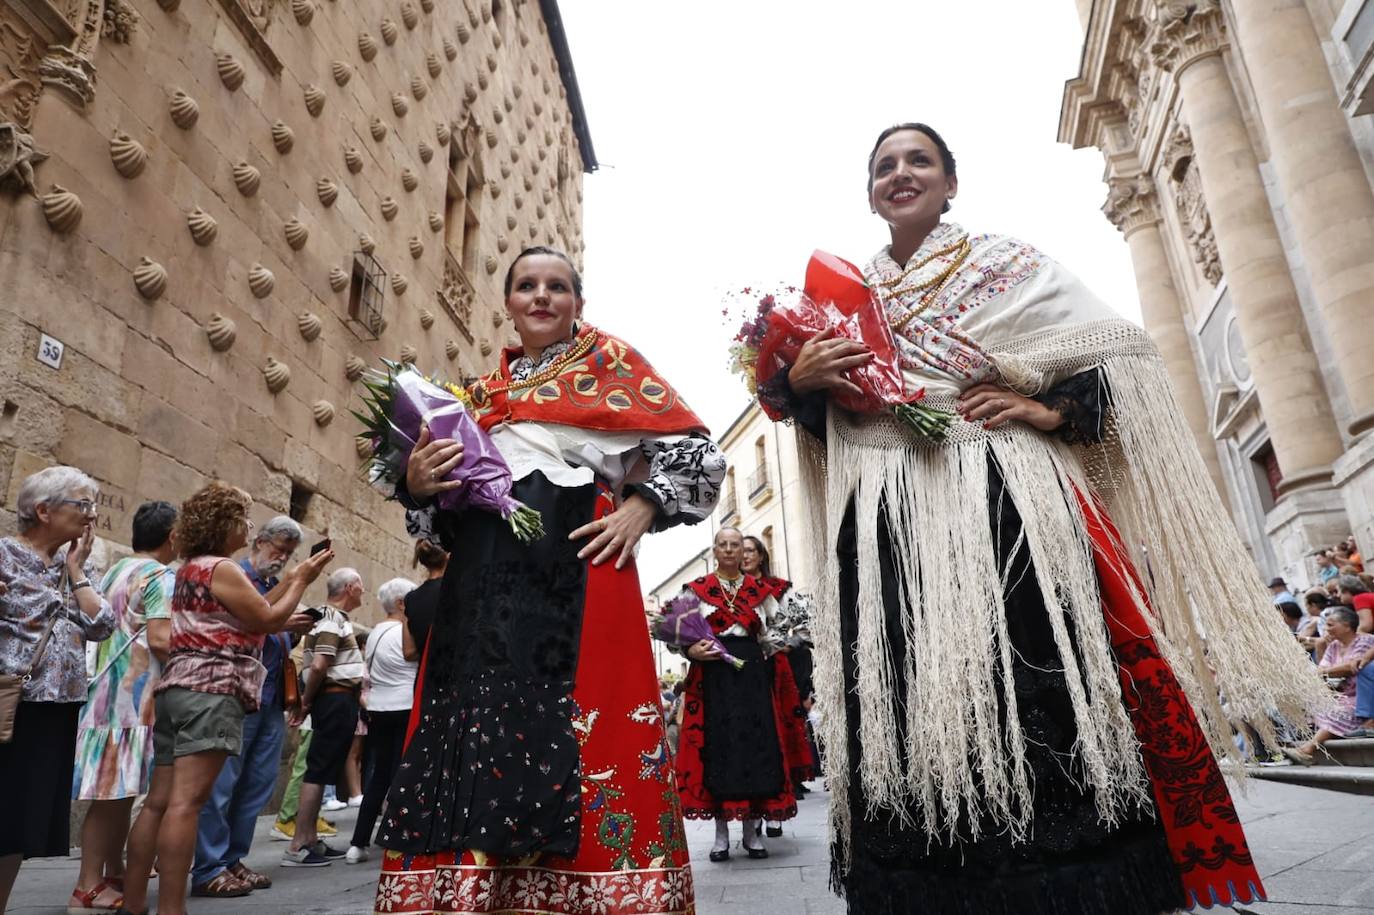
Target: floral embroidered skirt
630,854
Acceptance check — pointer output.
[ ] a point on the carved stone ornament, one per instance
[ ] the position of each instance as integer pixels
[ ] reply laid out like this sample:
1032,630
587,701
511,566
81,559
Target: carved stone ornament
409,181
309,325
450,49
314,100
1186,31
389,208
389,31
276,374
354,367
367,46
399,105
261,281
378,129
231,72
1131,203
247,179
338,278
184,110
409,16
491,265
363,446
436,222
222,331
323,411
283,137
327,191
463,32
366,244
203,227
457,296
451,349
434,65
150,278
502,243
426,318
1193,215
62,209
399,283
417,247
485,347
18,156
409,355
341,71
169,6
442,132
353,158
69,73
426,152
120,21
418,88
303,10
296,233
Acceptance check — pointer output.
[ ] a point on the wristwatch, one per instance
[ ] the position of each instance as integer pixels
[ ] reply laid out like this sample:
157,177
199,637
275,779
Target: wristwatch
78,585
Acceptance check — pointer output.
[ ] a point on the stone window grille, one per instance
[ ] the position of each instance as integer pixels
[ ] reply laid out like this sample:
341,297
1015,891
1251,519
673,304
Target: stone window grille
366,294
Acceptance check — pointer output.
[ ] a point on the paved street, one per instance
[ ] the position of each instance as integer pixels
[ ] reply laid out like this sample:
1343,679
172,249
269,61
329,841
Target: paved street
1315,849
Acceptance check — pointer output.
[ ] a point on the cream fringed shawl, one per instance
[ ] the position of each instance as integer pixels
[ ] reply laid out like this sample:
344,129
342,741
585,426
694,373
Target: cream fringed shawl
1023,318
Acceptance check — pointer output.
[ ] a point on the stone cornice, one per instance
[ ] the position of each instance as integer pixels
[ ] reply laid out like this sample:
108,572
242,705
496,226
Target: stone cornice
1132,203
1187,32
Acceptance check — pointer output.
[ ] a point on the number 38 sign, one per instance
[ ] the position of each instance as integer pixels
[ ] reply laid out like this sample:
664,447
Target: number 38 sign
50,351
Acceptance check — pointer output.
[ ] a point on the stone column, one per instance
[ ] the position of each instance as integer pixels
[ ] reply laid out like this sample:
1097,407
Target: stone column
1288,379
1326,191
1133,207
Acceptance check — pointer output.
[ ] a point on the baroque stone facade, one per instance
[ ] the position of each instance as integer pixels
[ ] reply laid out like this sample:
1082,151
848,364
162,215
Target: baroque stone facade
1237,165
223,211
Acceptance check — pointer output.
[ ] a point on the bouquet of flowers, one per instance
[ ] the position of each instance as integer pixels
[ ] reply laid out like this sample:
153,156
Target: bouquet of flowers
682,625
835,297
398,402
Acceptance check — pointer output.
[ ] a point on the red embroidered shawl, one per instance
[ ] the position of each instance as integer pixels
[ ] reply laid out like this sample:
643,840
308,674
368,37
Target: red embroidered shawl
742,609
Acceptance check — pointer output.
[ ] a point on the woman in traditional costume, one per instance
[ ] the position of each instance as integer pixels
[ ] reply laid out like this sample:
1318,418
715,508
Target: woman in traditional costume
536,776
739,747
1015,719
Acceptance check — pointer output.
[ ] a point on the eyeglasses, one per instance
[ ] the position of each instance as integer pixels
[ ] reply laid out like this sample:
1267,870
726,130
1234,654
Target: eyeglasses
85,506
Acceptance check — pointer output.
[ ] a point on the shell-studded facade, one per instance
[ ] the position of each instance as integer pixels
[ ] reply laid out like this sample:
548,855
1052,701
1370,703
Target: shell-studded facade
218,174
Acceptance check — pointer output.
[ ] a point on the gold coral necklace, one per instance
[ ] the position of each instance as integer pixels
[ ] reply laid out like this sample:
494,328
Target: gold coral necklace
936,286
482,392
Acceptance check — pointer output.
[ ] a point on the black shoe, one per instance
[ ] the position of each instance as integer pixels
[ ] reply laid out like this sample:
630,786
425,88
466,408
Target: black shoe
756,854
774,832
719,856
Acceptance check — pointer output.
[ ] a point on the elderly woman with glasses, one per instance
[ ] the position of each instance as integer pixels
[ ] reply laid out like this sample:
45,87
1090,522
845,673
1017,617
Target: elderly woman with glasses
1340,664
45,590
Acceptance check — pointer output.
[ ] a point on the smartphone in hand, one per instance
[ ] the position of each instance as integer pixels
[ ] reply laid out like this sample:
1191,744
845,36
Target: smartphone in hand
322,545
315,613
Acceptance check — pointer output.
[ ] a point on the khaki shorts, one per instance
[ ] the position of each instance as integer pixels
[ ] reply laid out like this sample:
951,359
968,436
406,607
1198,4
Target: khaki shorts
191,722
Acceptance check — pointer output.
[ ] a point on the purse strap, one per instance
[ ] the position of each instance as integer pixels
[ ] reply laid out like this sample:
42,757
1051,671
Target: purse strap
47,630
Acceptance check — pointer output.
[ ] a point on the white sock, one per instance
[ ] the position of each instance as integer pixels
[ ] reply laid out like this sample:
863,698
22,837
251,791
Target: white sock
722,835
752,839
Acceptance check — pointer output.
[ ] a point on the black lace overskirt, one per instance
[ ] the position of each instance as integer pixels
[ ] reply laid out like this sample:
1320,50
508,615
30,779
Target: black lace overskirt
740,751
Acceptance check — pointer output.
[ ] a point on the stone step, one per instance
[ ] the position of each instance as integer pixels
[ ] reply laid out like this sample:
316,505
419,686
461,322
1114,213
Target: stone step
1349,779
1359,752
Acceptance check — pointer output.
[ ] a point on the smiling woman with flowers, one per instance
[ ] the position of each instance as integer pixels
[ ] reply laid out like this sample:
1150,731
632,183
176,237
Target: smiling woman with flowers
537,775
1014,721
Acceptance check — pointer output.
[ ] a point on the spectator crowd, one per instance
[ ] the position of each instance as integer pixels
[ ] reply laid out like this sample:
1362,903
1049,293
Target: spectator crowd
165,696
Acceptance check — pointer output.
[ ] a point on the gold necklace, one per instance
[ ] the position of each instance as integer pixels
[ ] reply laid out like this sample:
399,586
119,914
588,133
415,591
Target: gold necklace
730,588
939,284
888,284
481,392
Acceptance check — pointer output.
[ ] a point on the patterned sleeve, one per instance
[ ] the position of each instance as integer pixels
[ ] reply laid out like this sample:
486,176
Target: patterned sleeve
774,635
157,594
1084,401
806,410
796,614
684,479
103,624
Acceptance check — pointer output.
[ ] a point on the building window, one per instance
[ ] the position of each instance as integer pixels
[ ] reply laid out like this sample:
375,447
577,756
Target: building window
759,481
365,294
729,501
300,501
462,207
1268,475
767,538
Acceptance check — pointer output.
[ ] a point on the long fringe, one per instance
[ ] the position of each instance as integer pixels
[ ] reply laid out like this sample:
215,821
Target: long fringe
1156,489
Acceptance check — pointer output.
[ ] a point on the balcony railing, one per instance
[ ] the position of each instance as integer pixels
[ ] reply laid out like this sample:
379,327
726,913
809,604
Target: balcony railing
758,483
729,507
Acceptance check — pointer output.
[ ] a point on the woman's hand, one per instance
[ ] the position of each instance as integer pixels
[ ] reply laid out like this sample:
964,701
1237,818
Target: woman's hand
822,362
620,530
78,551
994,406
703,651
430,461
309,570
299,623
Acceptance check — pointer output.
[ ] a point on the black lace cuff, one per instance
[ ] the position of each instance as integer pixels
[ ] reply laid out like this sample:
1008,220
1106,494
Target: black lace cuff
807,410
1084,401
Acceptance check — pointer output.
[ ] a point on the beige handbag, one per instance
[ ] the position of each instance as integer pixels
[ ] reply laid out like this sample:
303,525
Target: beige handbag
12,685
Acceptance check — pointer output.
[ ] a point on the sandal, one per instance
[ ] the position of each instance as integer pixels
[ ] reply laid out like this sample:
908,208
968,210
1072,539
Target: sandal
84,903
223,885
251,877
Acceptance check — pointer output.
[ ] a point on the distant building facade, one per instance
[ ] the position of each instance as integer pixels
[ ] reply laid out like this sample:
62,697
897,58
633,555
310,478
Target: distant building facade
1238,158
214,214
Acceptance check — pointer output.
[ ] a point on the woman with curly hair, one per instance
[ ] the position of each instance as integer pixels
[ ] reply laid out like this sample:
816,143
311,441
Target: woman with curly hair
213,677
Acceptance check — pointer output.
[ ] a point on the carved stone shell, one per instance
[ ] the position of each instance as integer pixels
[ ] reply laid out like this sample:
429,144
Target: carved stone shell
408,180
485,347
505,170
277,375
62,209
342,72
409,354
434,65
327,191
389,208
184,110
469,93
486,11
389,31
222,332
524,38
353,158
202,225
427,5
169,6
309,325
482,81
378,129
303,10
399,105
261,281
436,222
519,91
502,243
451,349
426,152
363,446
127,154
510,221
491,138
496,39
409,16
533,229
463,32
417,247
283,138
494,188
338,278
231,72
519,201
426,318
491,62
314,100
354,367
366,244
539,211
247,179
529,183
399,283
442,132
491,264
296,233
450,49
150,278
418,88
367,46
323,411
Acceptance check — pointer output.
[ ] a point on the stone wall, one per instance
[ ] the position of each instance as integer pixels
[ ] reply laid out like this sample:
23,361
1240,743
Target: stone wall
213,170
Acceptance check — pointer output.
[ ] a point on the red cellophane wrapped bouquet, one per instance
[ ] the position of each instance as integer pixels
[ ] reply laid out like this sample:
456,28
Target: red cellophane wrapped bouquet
834,297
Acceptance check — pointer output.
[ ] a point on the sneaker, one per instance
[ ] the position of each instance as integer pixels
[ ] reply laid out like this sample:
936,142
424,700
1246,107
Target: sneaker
326,851
334,804
323,828
355,801
304,857
356,855
283,832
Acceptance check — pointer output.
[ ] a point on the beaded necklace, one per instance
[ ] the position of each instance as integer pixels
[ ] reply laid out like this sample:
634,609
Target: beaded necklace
482,392
936,286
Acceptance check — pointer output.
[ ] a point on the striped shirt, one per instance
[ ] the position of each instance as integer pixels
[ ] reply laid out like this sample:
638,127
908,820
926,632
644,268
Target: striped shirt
333,637
211,650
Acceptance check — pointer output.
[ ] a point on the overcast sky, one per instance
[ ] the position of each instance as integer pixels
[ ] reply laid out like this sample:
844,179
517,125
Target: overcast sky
733,140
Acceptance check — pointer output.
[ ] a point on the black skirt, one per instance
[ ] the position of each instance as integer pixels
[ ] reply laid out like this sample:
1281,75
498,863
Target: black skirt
36,780
1071,862
740,752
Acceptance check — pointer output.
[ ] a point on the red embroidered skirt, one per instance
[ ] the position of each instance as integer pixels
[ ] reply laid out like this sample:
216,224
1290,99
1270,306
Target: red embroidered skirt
632,854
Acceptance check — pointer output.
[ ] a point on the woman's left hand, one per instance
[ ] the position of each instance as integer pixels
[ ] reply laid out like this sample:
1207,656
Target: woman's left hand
78,551
994,406
618,531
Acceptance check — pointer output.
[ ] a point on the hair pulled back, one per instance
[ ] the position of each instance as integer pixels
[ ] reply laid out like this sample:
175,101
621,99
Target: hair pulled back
946,157
551,252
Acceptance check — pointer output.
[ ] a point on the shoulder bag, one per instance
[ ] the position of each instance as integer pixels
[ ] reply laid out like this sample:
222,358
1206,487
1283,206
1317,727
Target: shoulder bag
12,685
